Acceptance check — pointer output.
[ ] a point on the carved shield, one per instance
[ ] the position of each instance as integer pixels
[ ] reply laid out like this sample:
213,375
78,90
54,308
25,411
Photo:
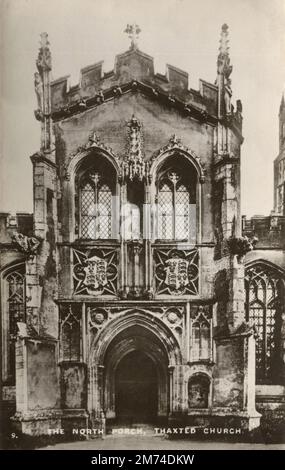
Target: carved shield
95,274
176,273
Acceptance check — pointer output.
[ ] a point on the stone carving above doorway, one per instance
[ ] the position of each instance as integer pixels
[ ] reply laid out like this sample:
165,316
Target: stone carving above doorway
100,316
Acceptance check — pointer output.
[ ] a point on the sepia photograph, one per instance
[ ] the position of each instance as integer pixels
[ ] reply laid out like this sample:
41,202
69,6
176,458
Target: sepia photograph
142,227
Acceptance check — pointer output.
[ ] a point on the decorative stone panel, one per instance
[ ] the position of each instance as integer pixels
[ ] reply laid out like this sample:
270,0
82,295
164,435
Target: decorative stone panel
95,271
176,271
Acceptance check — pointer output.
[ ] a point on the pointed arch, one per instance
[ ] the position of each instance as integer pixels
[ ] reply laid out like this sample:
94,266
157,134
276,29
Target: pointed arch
136,318
80,156
92,180
176,181
13,300
265,308
181,152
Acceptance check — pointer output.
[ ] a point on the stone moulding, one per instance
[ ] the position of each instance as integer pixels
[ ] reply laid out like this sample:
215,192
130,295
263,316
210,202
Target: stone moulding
133,86
175,144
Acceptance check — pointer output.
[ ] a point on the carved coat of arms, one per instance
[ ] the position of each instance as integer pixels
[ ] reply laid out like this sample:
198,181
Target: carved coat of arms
95,274
176,273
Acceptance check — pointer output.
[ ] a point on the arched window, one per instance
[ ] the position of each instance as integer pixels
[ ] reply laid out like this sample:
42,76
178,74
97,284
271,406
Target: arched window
264,305
176,199
13,312
70,333
95,206
173,207
200,336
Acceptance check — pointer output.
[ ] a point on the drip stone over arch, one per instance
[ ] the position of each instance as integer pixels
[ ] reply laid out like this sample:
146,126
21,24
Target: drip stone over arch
77,160
266,264
175,147
141,319
91,154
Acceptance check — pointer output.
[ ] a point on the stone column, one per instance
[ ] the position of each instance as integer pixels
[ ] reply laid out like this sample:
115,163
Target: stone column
170,375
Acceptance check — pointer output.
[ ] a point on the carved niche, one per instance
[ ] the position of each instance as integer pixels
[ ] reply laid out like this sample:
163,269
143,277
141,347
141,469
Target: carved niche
198,391
176,271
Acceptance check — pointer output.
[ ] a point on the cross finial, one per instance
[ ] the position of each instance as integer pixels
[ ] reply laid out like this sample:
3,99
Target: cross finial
133,31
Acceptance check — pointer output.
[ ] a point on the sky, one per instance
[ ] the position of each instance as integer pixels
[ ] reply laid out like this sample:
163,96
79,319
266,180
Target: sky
183,33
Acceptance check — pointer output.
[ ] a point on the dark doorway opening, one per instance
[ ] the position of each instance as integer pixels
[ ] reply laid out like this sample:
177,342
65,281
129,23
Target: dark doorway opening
136,389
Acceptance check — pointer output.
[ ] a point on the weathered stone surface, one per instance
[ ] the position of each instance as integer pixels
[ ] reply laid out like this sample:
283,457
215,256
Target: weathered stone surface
173,306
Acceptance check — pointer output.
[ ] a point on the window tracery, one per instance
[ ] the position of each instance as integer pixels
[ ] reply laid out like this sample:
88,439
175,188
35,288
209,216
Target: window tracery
264,302
201,343
95,206
14,312
70,329
173,207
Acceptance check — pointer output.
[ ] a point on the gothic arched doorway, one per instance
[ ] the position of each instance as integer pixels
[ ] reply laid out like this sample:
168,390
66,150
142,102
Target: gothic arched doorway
136,388
135,347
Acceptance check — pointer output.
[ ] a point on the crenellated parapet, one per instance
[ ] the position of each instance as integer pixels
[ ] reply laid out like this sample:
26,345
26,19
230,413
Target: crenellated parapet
133,72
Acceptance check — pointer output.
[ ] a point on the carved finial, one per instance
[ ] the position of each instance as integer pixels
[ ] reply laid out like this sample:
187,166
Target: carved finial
133,31
43,92
94,139
224,42
174,140
44,57
223,63
95,177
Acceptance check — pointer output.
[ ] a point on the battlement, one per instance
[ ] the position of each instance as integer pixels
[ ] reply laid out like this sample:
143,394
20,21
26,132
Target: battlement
269,230
131,66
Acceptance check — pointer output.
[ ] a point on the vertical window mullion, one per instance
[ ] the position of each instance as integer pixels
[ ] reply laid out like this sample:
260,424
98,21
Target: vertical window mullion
174,212
265,329
264,313
96,212
200,342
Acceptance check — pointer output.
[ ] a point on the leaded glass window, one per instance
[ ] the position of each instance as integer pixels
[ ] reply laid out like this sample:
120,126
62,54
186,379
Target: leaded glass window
95,207
173,207
200,337
70,337
14,294
264,300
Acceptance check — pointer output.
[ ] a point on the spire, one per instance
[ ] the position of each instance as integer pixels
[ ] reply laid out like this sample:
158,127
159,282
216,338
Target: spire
223,63
133,31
